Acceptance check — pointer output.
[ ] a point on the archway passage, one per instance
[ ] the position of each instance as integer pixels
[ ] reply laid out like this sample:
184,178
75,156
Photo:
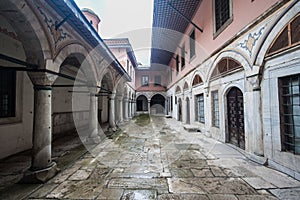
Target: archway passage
142,103
187,110
235,114
157,104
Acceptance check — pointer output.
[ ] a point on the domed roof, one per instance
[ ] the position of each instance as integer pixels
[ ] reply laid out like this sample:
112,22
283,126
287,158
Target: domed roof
90,11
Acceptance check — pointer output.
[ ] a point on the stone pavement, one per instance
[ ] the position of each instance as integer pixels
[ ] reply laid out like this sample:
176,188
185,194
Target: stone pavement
155,158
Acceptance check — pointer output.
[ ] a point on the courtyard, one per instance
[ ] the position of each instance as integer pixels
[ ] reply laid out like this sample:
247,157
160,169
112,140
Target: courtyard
155,158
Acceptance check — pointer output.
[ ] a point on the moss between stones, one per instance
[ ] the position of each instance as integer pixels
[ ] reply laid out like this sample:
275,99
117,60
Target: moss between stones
142,120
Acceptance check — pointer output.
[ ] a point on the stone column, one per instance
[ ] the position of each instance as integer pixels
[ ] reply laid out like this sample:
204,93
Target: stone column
254,115
149,107
93,136
126,109
112,122
120,104
42,168
130,109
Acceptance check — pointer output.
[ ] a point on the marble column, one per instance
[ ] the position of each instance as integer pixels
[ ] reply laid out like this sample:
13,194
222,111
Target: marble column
112,119
42,168
149,107
93,136
254,115
120,105
126,109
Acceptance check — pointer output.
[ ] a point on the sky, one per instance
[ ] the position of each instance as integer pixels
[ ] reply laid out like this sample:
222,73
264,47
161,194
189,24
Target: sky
125,19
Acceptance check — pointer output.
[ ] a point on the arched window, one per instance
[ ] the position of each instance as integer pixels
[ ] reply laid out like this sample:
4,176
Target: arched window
186,86
178,90
225,66
287,38
197,80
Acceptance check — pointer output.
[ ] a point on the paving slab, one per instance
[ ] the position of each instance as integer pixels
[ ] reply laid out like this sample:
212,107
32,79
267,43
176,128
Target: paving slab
139,195
291,194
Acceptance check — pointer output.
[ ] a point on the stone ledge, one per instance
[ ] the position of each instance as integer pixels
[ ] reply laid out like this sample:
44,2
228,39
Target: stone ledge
191,128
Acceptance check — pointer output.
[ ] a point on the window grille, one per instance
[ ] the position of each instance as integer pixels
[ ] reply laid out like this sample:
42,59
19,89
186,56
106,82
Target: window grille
215,109
7,93
290,113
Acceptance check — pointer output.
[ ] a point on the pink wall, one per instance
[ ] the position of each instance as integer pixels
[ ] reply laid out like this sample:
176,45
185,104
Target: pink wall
151,74
91,17
244,12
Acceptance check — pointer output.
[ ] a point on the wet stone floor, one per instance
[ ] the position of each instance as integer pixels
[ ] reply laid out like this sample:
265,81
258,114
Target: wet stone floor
155,158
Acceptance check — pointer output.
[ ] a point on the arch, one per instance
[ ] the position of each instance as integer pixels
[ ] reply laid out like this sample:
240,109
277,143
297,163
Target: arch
282,20
142,103
225,66
28,31
153,94
197,80
178,89
157,104
185,86
87,63
230,55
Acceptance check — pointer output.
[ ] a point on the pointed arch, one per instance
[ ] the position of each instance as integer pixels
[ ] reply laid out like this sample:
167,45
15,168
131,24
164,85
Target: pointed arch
178,89
185,86
197,80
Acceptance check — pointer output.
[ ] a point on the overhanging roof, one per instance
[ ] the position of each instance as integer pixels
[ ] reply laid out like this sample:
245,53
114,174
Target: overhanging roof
168,27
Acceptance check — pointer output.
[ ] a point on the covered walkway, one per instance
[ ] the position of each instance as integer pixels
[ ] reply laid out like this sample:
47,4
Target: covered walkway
147,159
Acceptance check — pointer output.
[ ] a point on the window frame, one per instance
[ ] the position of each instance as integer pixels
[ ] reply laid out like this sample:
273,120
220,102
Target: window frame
215,112
192,41
200,108
155,83
285,146
182,56
145,85
177,64
216,32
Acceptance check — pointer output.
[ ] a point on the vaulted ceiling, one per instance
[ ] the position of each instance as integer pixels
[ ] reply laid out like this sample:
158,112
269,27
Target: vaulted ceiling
168,27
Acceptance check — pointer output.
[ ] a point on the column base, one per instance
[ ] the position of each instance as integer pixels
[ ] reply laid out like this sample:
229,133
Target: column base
112,129
40,176
93,140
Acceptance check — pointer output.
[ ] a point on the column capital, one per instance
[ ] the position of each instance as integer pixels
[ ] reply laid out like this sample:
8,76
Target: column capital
254,81
42,78
112,96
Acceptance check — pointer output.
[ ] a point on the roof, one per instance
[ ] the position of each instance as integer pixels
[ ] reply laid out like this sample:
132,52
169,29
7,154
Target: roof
122,43
91,12
68,8
168,27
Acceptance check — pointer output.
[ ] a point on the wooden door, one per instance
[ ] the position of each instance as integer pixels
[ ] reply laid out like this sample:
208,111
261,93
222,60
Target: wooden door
235,112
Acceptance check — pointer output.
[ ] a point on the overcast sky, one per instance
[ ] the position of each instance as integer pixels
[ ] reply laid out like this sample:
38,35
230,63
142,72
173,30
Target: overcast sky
125,18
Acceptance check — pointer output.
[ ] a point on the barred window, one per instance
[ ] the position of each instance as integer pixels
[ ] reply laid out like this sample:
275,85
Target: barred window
215,109
290,113
222,13
192,44
7,93
145,80
200,108
182,57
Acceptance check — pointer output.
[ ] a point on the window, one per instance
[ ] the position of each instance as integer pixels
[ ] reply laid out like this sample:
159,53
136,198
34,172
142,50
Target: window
200,108
182,57
222,9
127,64
290,113
192,44
197,80
171,103
225,66
145,80
177,64
7,94
215,109
157,80
287,38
